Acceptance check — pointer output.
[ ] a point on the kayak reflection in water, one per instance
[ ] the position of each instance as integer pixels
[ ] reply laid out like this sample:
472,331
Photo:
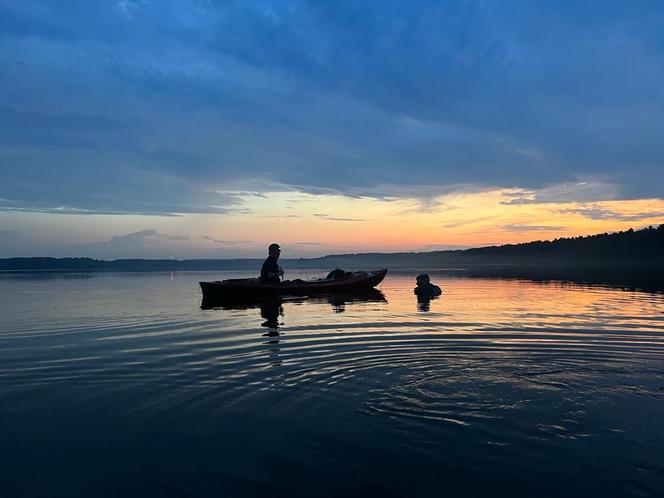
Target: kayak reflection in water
272,307
271,271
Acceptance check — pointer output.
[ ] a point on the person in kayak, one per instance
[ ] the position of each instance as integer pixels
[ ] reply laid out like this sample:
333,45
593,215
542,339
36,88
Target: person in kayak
271,271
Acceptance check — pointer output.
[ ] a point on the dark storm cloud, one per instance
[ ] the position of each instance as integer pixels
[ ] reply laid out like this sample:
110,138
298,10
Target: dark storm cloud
136,106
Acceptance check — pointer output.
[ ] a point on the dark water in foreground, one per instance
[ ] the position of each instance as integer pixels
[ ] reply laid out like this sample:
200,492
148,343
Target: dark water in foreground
119,385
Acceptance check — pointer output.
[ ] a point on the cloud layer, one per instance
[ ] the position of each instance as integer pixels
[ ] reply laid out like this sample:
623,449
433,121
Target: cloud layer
152,107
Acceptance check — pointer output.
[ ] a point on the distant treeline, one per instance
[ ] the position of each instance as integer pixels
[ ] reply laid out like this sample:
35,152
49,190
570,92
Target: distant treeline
630,247
646,245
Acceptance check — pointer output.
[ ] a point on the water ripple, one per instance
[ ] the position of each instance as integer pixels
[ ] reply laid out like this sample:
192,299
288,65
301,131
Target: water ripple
516,372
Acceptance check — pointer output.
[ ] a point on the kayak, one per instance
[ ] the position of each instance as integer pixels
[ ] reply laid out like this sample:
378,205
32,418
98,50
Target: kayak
356,281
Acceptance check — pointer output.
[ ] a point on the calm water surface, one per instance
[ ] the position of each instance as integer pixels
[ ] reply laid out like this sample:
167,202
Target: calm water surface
120,385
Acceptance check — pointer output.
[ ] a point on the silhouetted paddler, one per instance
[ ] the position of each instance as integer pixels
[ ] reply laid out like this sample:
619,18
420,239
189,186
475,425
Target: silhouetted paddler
271,271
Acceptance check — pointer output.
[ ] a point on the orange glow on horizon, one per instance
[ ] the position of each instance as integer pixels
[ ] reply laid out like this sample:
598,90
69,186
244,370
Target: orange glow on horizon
477,219
309,225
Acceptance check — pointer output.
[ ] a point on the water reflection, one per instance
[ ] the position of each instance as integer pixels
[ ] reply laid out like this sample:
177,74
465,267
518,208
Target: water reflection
635,276
271,310
272,307
511,377
424,302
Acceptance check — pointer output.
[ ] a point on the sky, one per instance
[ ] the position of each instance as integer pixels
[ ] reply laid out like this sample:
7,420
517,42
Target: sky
200,128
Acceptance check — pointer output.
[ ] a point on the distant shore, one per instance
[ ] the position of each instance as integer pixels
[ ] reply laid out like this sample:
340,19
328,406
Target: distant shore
643,247
632,259
624,274
11,265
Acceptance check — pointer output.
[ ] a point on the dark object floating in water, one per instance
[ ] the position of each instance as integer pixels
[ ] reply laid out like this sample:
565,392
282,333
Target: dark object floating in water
425,289
356,281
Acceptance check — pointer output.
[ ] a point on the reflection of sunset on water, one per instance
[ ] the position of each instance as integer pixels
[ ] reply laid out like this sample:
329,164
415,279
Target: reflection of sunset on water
503,309
495,371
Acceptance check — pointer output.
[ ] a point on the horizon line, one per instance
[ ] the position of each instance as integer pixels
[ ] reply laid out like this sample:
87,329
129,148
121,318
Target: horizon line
650,227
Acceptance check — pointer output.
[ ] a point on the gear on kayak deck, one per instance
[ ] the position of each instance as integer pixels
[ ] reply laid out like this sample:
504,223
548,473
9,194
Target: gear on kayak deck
337,273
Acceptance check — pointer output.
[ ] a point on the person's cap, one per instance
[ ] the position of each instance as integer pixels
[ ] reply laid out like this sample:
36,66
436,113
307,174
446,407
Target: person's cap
423,277
274,247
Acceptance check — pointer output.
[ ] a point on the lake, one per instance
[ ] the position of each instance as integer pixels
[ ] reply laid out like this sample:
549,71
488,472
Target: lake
119,384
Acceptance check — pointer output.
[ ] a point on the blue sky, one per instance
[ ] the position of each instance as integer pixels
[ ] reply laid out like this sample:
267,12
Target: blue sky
159,108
